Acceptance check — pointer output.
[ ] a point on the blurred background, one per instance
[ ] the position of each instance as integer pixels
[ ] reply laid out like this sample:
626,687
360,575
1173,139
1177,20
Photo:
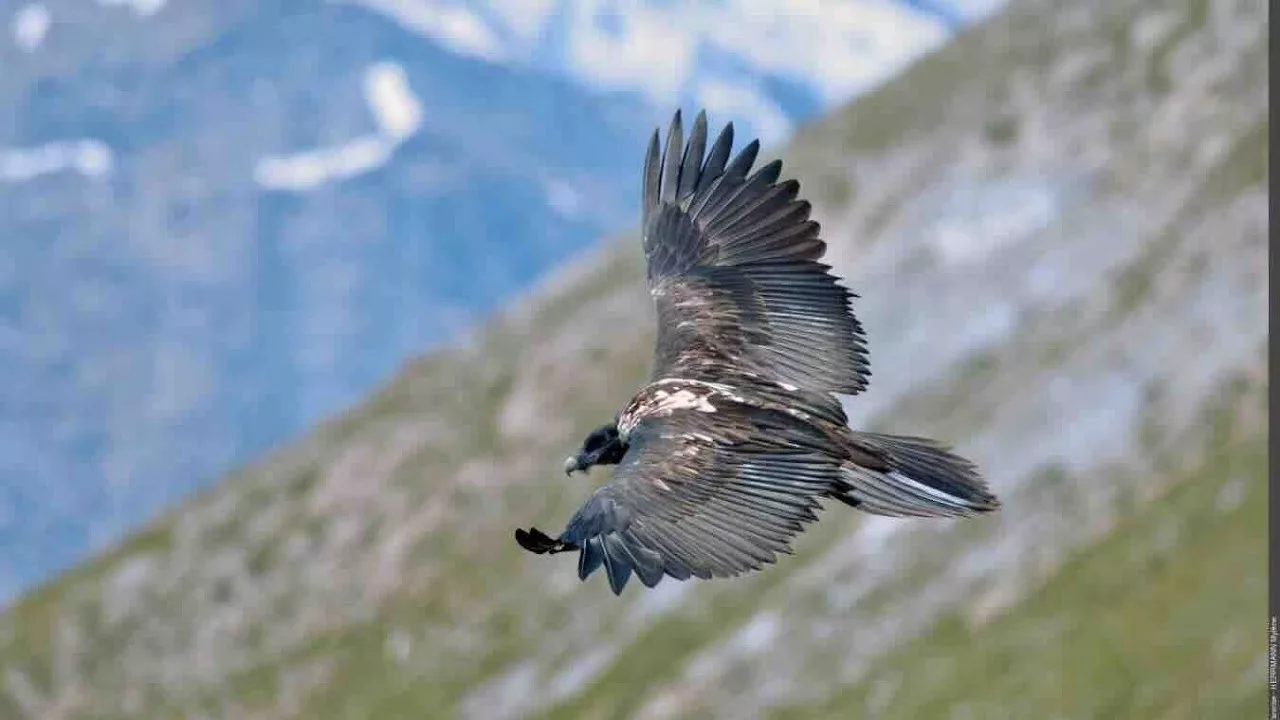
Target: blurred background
301,303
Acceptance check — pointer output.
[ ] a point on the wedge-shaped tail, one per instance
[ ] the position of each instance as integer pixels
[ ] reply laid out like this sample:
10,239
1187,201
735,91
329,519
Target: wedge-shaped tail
923,478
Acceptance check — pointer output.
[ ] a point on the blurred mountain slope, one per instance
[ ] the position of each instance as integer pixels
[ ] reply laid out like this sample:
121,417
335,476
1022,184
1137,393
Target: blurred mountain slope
226,220
1056,225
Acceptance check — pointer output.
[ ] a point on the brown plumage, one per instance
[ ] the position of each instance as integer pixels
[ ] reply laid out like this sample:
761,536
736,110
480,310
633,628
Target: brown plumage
724,456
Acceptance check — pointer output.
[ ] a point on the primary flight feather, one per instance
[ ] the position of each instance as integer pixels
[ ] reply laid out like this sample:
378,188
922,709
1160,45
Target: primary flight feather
725,454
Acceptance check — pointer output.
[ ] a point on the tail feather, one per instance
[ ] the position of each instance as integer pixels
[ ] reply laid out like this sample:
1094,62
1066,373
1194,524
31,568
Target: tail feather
918,478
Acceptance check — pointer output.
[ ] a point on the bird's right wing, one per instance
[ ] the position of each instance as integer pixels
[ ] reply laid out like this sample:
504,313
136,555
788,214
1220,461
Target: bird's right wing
699,494
733,269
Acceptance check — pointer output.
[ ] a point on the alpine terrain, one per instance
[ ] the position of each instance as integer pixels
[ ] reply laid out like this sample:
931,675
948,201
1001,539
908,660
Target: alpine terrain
1056,227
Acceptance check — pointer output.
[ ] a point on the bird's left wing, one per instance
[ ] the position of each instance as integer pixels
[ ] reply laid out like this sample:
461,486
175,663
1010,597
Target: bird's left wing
733,264
698,495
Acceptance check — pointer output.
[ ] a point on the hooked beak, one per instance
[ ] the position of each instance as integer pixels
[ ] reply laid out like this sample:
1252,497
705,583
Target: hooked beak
573,464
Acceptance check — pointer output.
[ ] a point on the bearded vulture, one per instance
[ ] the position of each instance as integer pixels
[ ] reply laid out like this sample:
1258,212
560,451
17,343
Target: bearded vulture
724,456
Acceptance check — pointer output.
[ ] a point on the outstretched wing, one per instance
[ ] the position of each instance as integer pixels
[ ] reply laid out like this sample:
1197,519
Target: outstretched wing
699,494
734,272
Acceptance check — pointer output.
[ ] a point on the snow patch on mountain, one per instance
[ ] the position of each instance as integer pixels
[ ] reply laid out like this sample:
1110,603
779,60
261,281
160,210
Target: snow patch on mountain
668,52
310,169
395,109
30,25
89,157
452,24
144,8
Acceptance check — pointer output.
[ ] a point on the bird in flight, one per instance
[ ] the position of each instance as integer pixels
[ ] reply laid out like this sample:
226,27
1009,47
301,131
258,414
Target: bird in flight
725,455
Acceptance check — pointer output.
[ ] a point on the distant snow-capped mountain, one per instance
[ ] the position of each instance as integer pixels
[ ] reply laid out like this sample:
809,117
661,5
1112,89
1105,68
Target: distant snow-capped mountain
224,220
764,65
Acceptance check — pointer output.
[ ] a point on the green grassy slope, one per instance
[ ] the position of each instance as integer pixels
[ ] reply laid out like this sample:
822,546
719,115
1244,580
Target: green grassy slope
1057,226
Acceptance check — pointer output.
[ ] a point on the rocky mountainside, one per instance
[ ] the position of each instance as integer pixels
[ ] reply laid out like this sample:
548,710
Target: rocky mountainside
1056,225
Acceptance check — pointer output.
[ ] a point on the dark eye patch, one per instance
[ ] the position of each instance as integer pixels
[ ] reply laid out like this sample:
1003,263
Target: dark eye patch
596,440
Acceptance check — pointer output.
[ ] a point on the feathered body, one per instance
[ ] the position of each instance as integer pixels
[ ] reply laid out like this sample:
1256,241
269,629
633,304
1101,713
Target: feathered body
726,453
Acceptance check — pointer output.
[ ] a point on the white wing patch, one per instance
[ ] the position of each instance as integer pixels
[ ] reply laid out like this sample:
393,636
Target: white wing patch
655,400
668,402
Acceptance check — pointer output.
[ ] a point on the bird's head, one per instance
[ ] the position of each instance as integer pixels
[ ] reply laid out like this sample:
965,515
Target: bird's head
602,447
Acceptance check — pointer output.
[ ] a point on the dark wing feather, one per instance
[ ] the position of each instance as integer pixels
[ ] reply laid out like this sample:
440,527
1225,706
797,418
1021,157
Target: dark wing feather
733,268
700,495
